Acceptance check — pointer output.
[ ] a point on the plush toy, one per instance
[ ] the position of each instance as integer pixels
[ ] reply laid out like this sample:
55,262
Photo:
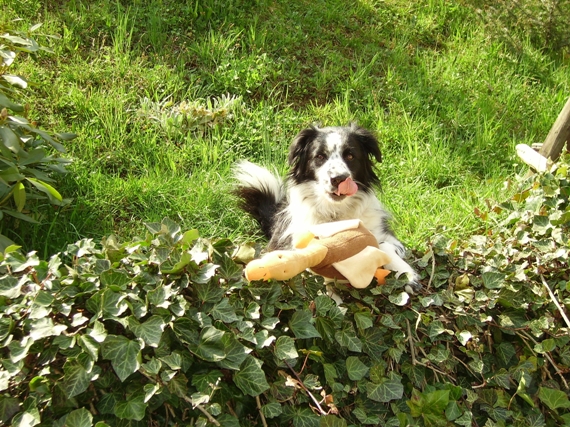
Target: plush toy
342,250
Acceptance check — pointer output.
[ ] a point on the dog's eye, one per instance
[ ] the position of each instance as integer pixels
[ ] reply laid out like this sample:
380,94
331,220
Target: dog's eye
320,157
348,156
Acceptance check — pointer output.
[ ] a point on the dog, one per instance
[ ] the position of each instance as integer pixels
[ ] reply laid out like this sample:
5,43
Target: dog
331,178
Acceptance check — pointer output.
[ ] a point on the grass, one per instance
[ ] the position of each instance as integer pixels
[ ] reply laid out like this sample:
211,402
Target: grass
142,83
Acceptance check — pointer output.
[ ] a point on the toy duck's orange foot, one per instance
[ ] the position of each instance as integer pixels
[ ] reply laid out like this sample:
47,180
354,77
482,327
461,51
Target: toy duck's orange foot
381,275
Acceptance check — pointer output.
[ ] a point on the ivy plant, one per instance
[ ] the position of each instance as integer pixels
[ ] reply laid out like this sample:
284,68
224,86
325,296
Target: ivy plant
164,330
27,159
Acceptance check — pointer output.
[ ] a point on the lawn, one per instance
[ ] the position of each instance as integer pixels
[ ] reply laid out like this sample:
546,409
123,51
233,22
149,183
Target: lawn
166,95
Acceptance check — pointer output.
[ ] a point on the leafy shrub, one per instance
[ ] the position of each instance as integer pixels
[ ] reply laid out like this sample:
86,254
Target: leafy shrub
195,117
163,330
26,160
542,22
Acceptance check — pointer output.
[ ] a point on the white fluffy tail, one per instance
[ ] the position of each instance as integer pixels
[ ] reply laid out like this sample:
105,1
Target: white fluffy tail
250,175
260,193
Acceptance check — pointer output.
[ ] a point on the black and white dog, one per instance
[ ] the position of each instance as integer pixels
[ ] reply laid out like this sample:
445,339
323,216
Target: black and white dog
331,178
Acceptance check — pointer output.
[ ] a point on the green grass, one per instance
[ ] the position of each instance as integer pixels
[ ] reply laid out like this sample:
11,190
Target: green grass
448,99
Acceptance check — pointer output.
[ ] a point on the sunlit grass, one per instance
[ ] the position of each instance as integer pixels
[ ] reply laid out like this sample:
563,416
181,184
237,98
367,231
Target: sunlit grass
448,102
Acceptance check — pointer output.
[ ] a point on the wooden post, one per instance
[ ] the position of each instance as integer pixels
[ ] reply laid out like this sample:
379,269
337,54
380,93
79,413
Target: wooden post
559,135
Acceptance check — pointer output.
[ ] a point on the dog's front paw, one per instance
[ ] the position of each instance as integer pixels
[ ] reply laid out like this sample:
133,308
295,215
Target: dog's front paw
414,285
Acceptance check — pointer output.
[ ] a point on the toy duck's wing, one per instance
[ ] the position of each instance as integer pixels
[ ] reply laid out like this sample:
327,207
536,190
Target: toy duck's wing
359,269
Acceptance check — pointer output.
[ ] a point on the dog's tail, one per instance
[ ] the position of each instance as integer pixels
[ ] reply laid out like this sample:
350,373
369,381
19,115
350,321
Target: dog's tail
259,192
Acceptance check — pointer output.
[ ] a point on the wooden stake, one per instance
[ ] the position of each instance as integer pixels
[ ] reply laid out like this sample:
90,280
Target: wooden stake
559,135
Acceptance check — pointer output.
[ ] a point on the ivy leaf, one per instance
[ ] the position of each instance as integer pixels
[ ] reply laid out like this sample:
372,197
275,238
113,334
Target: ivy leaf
401,299
252,310
175,266
388,320
554,399
98,332
250,378
19,349
115,279
150,331
301,325
76,379
347,338
363,320
132,409
285,348
235,352
224,311
326,328
229,270
159,296
206,272
385,391
42,328
79,418
123,353
435,328
113,303
323,303
150,390
228,420
186,331
465,420
302,417
271,410
365,418
178,385
505,351
429,405
463,336
206,382
436,401
210,345
332,421
537,420
372,343
493,280
9,287
355,368
453,411
8,407
29,418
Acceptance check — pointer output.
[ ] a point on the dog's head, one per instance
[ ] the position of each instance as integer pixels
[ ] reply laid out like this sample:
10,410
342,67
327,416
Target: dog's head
335,158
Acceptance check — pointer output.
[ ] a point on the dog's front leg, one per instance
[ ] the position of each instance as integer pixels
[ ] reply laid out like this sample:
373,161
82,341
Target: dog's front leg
398,265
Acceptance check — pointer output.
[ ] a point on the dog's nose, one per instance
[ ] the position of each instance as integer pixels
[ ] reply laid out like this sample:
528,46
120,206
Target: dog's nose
335,181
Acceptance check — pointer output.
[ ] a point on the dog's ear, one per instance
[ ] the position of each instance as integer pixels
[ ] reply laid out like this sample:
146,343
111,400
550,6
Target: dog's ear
300,147
368,140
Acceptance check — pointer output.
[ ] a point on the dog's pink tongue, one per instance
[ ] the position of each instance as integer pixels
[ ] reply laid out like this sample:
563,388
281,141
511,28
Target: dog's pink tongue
347,187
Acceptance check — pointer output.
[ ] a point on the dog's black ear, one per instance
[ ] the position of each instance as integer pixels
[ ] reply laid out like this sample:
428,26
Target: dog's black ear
368,141
300,147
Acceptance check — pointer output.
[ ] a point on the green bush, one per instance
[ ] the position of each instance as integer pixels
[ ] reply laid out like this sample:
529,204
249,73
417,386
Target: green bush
542,23
164,330
27,162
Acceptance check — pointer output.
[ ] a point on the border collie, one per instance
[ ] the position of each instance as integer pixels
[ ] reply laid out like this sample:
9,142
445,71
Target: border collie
331,178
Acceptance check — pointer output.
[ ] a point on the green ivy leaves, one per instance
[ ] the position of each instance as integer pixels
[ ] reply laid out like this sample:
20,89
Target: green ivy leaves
123,353
165,327
251,378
